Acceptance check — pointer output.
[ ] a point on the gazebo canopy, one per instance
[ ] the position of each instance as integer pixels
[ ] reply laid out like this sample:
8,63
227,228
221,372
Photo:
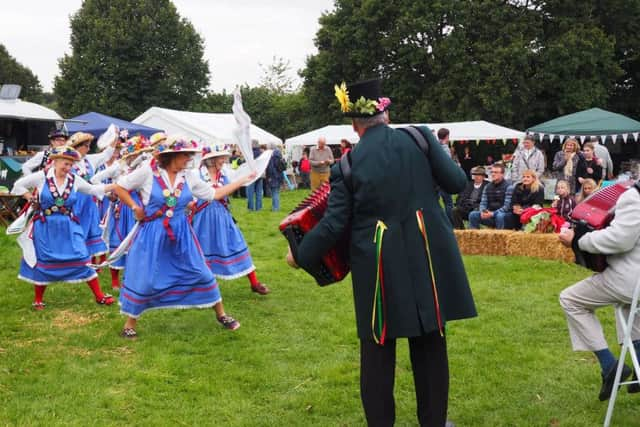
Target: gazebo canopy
96,124
592,122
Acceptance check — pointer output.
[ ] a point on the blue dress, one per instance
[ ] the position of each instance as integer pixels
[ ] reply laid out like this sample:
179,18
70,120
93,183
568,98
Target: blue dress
165,267
59,242
121,221
87,211
222,243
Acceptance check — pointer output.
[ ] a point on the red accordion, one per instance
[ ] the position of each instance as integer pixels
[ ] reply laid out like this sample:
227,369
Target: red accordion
335,263
595,213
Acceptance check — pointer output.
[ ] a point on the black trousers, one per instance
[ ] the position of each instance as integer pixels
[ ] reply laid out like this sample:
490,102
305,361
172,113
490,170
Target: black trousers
430,374
459,215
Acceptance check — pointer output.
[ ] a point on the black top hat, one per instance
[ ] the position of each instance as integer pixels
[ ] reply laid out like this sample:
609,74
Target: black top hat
55,133
362,99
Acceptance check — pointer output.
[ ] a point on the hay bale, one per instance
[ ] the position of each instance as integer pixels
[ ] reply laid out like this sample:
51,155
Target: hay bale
538,245
482,242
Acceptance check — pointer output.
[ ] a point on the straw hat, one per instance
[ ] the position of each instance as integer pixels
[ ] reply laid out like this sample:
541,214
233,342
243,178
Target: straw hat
157,138
64,152
209,152
134,146
78,138
177,144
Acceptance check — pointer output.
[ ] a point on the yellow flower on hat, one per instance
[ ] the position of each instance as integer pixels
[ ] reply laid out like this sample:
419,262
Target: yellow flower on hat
343,97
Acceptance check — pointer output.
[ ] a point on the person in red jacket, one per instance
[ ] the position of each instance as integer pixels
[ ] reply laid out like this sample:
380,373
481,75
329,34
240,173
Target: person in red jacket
305,169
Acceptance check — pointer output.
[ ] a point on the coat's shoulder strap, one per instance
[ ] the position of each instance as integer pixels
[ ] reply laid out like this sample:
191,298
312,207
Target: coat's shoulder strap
345,168
418,138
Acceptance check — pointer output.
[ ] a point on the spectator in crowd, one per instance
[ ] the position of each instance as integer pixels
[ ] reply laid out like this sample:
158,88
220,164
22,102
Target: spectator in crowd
345,147
275,178
588,187
305,168
588,165
255,190
601,152
565,163
620,242
495,205
527,193
466,161
526,156
321,158
447,200
563,202
469,199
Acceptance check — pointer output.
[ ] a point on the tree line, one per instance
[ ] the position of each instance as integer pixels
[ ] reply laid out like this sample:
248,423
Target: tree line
513,62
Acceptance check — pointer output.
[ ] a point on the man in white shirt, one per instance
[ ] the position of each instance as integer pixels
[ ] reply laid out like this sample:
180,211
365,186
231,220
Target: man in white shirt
57,138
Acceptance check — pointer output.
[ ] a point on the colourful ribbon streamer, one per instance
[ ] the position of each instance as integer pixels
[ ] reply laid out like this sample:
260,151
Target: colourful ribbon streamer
423,231
379,312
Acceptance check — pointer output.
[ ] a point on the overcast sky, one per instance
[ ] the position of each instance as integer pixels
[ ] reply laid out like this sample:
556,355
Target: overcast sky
238,34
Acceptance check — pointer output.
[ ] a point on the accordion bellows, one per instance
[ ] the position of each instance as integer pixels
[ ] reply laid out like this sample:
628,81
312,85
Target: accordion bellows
335,263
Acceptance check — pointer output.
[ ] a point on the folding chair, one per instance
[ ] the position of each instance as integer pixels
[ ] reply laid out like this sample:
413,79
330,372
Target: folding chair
627,345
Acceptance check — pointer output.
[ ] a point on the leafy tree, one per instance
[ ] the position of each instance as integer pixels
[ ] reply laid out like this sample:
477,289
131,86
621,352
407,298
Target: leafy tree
129,55
12,72
276,76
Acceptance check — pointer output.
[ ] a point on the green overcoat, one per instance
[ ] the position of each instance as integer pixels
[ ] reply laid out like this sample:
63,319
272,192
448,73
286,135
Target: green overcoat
392,179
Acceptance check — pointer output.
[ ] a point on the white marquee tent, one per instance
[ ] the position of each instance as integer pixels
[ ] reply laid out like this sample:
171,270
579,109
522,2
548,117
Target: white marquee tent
459,131
23,110
213,128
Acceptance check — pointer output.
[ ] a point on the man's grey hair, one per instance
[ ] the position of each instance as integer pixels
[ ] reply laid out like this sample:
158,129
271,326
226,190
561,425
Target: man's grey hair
367,122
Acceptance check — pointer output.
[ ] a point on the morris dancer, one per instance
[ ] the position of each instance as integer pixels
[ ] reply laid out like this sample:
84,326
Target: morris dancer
86,207
61,254
222,243
120,220
57,138
170,270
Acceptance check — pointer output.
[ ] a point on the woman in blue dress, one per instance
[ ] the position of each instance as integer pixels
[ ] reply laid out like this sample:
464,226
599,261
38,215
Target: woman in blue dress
222,243
165,267
86,207
54,247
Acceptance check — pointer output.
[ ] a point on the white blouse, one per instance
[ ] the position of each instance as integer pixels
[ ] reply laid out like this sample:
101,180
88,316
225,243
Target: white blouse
95,160
38,180
142,178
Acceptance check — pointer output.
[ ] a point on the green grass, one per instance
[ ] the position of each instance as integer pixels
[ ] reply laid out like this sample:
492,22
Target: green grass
294,361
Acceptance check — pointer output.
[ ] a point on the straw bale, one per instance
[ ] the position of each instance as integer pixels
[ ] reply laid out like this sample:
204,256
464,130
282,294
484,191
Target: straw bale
482,242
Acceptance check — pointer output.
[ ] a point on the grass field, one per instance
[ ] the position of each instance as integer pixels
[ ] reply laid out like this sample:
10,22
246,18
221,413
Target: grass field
294,361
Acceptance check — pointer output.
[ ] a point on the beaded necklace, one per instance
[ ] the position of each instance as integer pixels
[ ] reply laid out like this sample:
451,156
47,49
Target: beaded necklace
58,199
170,200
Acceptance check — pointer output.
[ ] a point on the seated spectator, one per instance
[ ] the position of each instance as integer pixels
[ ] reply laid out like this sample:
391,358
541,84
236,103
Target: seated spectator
495,205
588,165
527,156
565,163
529,193
563,202
588,187
469,199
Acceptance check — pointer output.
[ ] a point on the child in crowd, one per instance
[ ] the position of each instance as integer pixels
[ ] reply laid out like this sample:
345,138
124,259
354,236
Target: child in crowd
588,186
563,202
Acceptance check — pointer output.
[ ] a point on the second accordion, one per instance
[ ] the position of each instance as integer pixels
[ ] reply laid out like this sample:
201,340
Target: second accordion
335,263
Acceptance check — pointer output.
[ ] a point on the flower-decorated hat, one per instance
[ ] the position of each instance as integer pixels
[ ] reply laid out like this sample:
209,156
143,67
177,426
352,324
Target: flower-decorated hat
177,144
157,138
78,138
362,99
64,152
134,146
209,152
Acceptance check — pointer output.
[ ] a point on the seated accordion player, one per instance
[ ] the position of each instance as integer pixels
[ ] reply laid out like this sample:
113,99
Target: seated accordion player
595,213
335,263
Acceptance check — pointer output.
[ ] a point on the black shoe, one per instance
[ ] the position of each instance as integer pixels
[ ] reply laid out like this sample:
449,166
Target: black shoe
609,378
634,388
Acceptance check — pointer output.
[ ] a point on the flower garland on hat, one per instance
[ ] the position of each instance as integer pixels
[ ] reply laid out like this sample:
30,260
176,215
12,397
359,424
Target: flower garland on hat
177,145
362,105
64,152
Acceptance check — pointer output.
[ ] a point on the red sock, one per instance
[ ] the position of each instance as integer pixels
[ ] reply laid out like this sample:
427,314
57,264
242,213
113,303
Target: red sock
94,285
103,258
39,292
253,279
115,278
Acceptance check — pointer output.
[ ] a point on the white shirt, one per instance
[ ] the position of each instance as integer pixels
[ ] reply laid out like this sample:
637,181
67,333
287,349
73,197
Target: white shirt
95,160
32,163
142,178
37,180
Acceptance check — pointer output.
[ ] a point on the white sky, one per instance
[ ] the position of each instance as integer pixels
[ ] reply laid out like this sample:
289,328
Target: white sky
238,35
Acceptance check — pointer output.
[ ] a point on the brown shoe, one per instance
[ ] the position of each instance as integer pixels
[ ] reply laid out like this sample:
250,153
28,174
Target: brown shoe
260,289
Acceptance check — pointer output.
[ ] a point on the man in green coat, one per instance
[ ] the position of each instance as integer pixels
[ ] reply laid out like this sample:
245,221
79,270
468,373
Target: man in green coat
407,272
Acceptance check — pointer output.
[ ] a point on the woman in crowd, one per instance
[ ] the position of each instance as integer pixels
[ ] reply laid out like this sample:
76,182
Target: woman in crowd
305,170
61,254
170,270
588,187
565,163
345,147
526,194
222,243
588,166
563,202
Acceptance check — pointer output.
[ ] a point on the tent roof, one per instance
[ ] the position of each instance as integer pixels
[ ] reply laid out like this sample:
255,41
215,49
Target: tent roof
594,121
215,128
23,110
96,124
459,131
